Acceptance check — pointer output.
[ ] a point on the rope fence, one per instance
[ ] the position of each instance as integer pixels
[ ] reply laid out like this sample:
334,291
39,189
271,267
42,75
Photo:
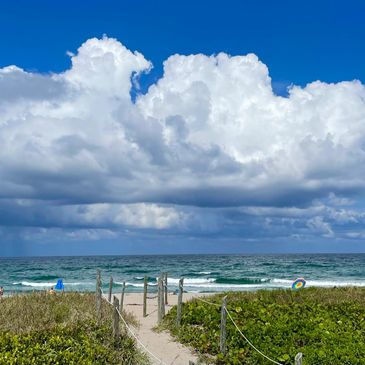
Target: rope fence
249,342
162,301
297,358
238,329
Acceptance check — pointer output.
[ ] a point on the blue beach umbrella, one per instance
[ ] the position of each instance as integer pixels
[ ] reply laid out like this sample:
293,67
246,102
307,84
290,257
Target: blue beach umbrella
59,285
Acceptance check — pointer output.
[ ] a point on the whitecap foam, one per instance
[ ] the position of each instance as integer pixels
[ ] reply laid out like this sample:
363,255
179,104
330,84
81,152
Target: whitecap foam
205,272
46,285
224,286
334,283
282,281
136,285
35,285
188,281
320,283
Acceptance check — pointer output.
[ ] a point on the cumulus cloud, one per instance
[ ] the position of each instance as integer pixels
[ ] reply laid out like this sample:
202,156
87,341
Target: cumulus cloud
208,149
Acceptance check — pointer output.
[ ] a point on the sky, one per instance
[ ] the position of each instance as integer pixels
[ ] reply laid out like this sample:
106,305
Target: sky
155,127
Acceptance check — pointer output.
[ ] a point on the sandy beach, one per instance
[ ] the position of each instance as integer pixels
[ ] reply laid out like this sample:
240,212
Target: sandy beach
161,344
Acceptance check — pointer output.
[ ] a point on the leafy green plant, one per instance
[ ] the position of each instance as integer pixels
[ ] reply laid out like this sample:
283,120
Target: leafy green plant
326,325
44,329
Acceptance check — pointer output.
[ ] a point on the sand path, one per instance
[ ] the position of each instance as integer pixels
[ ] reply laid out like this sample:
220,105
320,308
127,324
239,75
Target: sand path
160,344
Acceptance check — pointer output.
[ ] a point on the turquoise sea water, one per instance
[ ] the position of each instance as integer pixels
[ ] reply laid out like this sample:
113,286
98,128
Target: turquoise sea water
202,273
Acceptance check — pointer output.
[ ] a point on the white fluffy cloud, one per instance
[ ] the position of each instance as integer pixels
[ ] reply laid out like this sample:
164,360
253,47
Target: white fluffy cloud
209,135
139,215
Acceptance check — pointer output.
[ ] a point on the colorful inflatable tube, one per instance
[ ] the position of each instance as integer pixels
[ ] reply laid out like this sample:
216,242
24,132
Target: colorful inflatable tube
298,284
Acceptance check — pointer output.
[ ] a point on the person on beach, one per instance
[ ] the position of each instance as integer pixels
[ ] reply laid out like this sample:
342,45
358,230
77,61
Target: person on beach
1,291
52,291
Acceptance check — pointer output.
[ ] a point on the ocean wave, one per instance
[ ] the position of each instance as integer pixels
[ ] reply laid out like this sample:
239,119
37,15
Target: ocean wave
226,284
198,273
224,287
320,283
172,282
35,285
149,278
45,277
134,271
188,281
136,285
241,281
208,286
282,281
46,284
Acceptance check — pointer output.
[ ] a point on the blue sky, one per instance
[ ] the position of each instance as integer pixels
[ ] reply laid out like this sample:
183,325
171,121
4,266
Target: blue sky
252,143
300,42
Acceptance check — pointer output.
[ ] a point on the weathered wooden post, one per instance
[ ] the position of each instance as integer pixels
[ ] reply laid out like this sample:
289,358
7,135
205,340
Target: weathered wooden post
115,314
162,291
166,293
179,302
145,296
298,358
223,329
159,312
122,298
98,295
110,289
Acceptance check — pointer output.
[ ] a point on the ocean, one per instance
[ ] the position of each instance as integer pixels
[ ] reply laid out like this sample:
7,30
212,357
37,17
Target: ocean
202,273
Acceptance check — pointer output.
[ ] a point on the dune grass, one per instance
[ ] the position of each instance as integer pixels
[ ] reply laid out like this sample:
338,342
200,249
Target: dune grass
39,328
326,325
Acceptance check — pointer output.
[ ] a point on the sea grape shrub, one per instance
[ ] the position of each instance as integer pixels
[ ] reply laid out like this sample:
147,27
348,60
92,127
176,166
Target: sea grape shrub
82,344
67,333
326,325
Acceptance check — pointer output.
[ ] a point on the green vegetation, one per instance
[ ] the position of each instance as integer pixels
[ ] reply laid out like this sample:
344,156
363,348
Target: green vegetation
61,329
326,325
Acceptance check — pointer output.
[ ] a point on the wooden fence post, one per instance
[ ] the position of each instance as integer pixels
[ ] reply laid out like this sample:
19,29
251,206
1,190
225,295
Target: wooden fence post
122,298
223,329
110,289
159,313
166,293
115,314
298,358
98,295
145,296
179,302
162,291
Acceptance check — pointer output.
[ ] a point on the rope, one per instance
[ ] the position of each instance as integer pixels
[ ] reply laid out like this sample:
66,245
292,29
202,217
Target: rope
249,342
205,301
138,340
132,333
